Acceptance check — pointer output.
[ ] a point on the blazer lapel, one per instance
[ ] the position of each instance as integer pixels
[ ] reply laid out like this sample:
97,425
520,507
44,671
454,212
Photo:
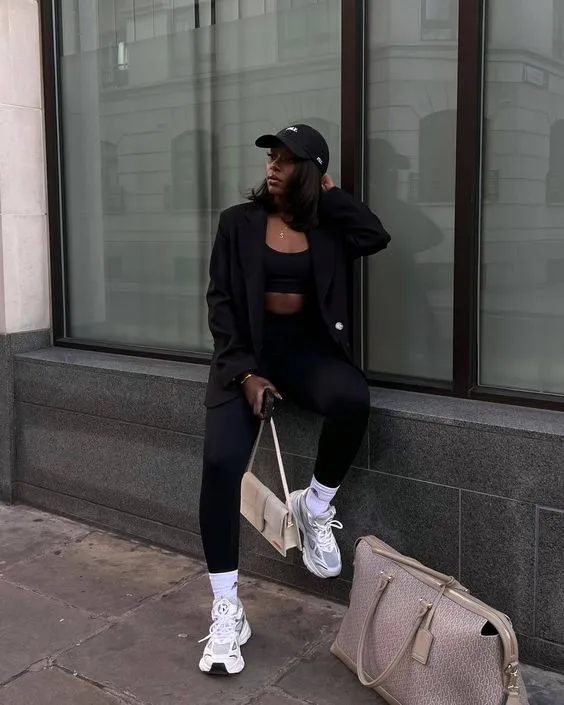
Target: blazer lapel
323,258
251,253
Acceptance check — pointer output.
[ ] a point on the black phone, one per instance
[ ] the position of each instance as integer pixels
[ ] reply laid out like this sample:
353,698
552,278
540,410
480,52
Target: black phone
268,404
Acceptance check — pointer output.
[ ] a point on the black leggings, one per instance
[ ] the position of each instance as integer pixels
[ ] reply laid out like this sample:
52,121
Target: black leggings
312,374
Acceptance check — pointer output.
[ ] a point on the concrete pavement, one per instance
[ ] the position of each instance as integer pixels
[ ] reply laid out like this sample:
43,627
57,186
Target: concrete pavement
90,618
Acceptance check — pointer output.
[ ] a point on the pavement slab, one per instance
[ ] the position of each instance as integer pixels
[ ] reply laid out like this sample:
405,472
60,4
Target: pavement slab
104,574
543,687
322,678
156,651
276,699
54,687
35,627
24,535
90,618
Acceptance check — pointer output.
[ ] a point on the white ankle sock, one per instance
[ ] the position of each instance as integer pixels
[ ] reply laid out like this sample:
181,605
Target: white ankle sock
224,584
319,497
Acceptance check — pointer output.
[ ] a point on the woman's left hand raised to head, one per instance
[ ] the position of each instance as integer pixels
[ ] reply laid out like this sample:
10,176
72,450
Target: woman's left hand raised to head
327,183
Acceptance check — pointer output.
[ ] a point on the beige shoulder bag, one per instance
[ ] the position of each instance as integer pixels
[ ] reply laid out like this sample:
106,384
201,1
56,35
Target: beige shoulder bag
263,509
417,637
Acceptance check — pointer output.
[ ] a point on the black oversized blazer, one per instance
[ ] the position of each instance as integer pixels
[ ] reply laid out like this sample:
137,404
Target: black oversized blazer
347,230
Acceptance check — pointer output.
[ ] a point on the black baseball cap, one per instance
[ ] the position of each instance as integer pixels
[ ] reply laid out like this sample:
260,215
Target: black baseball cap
303,141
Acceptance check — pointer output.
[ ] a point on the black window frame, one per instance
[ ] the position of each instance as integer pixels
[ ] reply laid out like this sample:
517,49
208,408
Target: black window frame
468,201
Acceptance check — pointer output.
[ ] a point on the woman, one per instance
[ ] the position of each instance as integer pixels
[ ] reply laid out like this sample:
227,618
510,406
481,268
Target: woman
278,313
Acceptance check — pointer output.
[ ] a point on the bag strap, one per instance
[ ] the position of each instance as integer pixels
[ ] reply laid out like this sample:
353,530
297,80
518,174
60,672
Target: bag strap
280,464
278,458
443,578
251,462
424,607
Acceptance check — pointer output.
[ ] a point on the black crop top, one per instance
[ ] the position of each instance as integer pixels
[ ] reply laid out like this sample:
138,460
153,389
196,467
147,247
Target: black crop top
287,272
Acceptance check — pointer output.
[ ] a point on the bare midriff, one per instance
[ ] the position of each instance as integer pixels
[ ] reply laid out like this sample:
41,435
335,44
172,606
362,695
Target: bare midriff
284,304
282,238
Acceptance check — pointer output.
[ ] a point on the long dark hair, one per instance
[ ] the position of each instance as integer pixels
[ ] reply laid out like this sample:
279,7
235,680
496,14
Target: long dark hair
301,199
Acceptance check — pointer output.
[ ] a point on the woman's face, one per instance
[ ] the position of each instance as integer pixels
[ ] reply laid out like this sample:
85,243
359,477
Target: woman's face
280,166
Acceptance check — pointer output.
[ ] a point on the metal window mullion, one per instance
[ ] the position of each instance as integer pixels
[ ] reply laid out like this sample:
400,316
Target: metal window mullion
352,139
50,43
468,194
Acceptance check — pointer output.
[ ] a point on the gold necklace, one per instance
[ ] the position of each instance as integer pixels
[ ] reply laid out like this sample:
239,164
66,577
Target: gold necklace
282,234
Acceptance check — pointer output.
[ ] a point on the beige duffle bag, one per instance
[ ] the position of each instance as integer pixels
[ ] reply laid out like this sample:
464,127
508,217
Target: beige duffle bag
417,637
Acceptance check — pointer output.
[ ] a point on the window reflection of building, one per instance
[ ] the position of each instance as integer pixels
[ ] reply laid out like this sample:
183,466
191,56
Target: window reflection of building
114,53
410,160
190,52
112,193
439,20
437,157
190,170
305,34
555,178
114,66
559,29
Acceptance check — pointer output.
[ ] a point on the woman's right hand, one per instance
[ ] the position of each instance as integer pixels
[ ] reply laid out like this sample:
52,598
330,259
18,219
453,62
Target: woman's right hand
254,388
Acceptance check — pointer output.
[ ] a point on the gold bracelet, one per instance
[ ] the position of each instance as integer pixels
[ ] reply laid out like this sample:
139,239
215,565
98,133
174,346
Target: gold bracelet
246,378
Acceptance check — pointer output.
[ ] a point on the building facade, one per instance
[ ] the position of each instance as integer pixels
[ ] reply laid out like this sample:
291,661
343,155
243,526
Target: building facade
126,126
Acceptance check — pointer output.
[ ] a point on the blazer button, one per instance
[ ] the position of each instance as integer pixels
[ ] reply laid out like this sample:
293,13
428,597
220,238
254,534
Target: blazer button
339,325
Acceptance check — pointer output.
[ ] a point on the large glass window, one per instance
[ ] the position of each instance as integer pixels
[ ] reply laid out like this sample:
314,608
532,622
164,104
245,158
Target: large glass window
161,102
522,245
410,182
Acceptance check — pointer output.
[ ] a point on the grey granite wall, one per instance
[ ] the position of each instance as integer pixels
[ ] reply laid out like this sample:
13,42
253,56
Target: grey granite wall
473,489
11,345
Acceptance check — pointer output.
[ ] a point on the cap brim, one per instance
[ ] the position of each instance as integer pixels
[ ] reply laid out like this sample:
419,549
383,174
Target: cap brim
271,141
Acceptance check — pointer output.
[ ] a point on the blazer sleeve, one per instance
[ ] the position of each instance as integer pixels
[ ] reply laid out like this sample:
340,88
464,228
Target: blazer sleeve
363,232
232,356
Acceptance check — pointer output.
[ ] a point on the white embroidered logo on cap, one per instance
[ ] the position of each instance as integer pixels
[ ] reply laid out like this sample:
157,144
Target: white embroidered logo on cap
320,160
292,129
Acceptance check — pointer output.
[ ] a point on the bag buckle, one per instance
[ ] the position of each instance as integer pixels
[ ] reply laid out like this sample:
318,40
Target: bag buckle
512,679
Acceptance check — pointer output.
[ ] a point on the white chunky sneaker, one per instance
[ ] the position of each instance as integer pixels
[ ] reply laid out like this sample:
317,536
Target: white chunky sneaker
228,632
321,554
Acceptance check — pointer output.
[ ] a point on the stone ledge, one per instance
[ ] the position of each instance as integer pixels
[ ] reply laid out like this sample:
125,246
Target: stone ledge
123,364
467,413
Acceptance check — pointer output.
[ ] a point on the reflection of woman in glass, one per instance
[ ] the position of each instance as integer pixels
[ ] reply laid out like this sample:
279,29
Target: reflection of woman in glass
278,312
414,344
